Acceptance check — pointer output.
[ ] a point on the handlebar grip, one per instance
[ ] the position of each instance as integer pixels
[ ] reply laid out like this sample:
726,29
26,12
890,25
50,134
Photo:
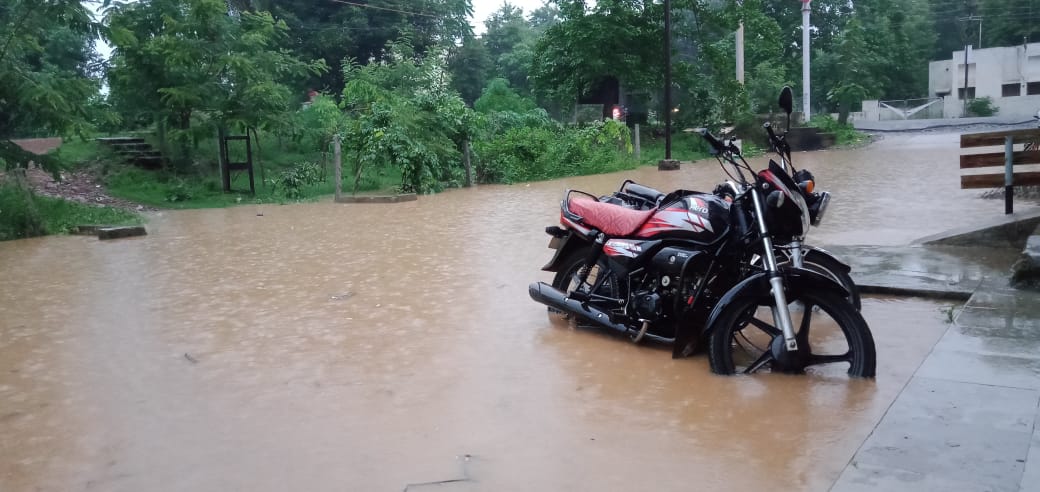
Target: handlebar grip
713,141
769,130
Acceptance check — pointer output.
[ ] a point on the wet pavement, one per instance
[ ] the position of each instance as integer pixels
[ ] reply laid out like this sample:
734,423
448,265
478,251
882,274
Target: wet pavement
967,420
384,347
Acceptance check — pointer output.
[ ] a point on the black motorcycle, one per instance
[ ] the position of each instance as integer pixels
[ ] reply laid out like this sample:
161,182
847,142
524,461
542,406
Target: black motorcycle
685,273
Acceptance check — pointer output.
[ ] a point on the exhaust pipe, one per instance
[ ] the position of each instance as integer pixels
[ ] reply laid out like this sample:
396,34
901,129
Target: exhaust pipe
555,298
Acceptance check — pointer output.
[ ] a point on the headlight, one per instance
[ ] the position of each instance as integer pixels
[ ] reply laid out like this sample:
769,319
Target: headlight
803,208
819,208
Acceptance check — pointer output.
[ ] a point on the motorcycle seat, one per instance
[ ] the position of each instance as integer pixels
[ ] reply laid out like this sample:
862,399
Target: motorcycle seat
612,220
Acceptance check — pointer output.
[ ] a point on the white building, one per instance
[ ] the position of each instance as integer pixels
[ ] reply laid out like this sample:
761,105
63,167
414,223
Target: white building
1010,76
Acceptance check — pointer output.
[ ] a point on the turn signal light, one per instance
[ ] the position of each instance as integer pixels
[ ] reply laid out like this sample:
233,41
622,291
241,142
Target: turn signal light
807,186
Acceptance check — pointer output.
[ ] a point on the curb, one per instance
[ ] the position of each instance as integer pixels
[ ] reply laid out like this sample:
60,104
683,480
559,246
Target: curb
948,295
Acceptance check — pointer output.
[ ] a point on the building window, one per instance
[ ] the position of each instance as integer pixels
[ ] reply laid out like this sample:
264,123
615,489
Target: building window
1011,90
1033,88
971,93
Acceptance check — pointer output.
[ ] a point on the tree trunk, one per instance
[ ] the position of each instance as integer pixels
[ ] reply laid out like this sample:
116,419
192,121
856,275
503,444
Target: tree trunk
357,170
259,163
466,161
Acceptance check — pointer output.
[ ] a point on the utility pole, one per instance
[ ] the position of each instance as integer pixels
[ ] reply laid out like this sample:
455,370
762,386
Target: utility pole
667,80
740,46
740,52
967,47
805,59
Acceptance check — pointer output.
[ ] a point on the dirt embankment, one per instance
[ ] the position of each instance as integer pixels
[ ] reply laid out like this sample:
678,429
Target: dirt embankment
79,186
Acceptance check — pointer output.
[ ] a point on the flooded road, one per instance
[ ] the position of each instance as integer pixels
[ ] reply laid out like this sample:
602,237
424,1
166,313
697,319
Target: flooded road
369,347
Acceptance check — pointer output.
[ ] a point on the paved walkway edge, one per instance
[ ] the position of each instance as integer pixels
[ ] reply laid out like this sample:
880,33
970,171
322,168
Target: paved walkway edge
966,420
949,295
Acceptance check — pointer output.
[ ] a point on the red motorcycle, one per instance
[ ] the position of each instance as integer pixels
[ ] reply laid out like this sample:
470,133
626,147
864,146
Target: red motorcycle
701,269
797,253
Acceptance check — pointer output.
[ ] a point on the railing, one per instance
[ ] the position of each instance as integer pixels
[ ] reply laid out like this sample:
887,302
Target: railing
1030,154
911,109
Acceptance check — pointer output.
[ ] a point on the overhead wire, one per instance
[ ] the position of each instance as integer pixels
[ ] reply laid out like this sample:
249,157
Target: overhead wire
370,6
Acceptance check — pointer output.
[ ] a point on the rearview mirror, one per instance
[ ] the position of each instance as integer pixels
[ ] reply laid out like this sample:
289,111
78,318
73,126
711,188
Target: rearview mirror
787,100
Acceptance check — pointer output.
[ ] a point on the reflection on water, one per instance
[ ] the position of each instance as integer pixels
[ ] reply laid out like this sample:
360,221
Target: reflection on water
365,347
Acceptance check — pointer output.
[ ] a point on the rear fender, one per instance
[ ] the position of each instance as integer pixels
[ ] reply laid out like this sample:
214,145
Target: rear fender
565,246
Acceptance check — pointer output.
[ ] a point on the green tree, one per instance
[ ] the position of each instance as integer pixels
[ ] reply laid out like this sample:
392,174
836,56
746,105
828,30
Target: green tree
544,17
510,43
403,113
175,59
48,72
470,65
615,38
498,96
335,31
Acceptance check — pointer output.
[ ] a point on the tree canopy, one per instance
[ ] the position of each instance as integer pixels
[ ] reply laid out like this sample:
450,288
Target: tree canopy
49,73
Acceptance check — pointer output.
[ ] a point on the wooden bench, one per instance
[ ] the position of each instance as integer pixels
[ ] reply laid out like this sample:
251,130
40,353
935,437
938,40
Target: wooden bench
1006,161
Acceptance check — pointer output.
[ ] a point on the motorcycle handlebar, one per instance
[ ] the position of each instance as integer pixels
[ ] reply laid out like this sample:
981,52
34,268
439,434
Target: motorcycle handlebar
719,147
772,136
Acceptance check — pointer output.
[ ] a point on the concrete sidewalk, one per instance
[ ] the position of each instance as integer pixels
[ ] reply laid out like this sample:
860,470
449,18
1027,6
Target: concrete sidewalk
966,421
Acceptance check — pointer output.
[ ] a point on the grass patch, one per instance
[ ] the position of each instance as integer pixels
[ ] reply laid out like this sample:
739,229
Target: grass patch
24,214
685,147
844,135
166,190
61,216
77,153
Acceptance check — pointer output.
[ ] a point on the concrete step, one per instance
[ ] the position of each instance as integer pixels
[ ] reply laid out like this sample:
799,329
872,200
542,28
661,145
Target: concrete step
131,146
119,140
148,161
1026,271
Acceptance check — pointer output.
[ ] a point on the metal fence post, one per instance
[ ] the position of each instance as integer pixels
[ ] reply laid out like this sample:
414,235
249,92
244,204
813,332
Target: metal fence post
337,166
1009,189
636,137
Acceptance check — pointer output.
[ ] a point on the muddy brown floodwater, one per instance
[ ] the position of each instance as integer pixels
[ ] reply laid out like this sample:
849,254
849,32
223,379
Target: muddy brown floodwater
369,347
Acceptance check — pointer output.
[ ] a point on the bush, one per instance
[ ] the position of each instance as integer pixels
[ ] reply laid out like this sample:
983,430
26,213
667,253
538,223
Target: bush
23,214
19,216
982,106
530,153
292,181
843,134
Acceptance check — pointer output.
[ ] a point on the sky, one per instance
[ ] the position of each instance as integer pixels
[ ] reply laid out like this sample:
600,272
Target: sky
483,8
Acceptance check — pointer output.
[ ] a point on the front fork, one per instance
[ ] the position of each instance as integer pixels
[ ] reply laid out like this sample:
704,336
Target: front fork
797,260
781,312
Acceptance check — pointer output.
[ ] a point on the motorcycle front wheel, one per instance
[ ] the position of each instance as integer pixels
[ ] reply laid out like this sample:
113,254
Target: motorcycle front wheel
831,335
823,264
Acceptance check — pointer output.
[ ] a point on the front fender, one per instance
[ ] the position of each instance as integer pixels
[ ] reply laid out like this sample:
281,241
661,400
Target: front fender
814,251
757,285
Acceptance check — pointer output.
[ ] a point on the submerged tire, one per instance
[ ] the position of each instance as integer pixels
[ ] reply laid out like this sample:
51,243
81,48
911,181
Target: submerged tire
741,338
566,278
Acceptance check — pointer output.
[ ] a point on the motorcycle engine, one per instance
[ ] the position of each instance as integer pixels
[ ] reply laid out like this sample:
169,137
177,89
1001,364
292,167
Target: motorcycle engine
648,305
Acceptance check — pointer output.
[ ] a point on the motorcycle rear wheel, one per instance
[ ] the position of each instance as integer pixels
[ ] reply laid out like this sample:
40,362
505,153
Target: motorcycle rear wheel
744,338
566,279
